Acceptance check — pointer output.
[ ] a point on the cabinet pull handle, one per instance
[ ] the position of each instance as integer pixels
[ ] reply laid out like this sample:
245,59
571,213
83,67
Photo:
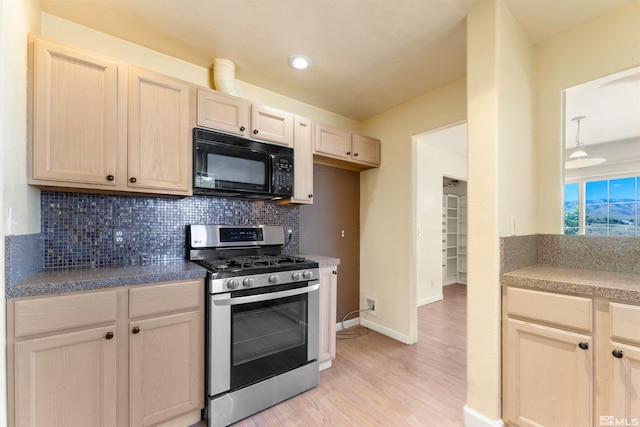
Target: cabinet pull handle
242,128
135,330
584,345
617,354
133,179
255,131
109,335
110,177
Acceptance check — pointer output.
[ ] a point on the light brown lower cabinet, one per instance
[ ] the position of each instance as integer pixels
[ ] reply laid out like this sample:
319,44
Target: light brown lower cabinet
328,301
138,361
569,360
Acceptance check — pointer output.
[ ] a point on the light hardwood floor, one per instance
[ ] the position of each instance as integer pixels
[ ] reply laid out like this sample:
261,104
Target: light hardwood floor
377,381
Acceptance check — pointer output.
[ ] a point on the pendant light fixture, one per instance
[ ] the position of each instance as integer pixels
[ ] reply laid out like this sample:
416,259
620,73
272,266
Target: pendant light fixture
580,157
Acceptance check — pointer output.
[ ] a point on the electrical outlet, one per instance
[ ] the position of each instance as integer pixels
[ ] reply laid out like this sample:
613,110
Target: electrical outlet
119,237
370,304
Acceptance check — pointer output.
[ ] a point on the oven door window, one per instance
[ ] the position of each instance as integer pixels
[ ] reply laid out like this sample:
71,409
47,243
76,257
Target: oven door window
268,338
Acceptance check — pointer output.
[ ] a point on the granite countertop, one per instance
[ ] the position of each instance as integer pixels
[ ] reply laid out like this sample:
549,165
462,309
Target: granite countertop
577,281
323,261
51,282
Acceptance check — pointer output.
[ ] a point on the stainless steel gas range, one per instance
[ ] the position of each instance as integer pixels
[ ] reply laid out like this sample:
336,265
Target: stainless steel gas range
262,319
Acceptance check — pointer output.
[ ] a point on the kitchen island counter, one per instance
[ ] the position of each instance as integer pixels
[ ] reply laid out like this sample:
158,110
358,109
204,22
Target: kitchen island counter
52,282
577,281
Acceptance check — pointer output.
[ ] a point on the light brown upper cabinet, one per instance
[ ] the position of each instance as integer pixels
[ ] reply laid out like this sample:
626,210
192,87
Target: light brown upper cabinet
303,161
348,149
102,125
73,98
226,113
230,114
159,137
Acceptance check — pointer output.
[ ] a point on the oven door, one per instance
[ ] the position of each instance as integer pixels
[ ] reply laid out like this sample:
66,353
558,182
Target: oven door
229,168
257,334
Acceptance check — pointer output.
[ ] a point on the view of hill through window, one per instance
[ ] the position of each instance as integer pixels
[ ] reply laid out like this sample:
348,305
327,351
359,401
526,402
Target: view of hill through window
602,207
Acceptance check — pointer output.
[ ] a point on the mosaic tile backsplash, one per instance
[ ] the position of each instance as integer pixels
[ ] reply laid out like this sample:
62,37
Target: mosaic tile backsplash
78,229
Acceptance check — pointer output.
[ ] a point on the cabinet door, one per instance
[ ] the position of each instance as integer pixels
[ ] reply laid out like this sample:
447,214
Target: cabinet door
159,136
73,113
332,141
223,112
67,380
328,292
271,125
303,161
365,149
165,368
548,376
625,381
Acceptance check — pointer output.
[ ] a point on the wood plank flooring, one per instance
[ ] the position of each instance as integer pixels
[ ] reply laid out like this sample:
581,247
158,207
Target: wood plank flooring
377,381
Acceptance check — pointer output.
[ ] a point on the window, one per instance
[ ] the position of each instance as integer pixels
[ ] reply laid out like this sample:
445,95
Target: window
610,207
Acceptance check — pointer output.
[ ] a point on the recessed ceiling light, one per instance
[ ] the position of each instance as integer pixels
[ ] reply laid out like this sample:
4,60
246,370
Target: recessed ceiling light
299,62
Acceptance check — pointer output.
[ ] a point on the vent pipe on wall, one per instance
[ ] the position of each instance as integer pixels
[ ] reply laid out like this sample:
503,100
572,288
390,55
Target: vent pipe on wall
224,76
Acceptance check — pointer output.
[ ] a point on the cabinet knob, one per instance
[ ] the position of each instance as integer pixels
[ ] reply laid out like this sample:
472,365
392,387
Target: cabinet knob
133,179
348,153
617,354
109,335
110,177
355,155
255,131
135,330
242,128
311,196
335,271
584,345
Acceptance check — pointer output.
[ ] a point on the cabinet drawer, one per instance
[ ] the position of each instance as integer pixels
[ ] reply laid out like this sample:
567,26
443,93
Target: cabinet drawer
39,315
165,297
625,321
563,310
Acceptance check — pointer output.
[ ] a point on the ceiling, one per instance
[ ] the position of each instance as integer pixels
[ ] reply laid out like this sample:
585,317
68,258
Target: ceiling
368,55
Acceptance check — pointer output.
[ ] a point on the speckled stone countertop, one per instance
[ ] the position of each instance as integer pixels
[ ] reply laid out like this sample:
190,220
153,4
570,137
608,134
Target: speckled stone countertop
323,261
50,282
577,281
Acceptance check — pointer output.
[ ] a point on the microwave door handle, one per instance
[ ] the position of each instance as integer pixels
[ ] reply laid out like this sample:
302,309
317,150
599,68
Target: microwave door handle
266,297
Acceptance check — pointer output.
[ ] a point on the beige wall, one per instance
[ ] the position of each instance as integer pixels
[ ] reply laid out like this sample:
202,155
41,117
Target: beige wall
16,19
78,36
601,47
385,206
502,184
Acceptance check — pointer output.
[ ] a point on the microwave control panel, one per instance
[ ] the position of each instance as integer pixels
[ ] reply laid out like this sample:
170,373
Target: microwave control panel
283,176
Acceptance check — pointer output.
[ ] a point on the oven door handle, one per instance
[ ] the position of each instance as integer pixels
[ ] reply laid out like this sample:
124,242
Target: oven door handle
227,300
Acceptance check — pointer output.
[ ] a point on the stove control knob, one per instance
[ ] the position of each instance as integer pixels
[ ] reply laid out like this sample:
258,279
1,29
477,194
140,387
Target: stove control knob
306,275
233,284
274,279
296,276
248,282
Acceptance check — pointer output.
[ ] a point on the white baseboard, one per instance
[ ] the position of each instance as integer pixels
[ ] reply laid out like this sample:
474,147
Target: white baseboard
476,419
386,331
430,300
347,324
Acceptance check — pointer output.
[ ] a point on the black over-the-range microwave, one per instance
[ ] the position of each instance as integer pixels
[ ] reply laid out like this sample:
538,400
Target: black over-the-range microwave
232,166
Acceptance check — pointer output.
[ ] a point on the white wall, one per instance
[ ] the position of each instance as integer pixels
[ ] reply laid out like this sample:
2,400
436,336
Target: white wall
16,19
502,183
604,46
434,159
